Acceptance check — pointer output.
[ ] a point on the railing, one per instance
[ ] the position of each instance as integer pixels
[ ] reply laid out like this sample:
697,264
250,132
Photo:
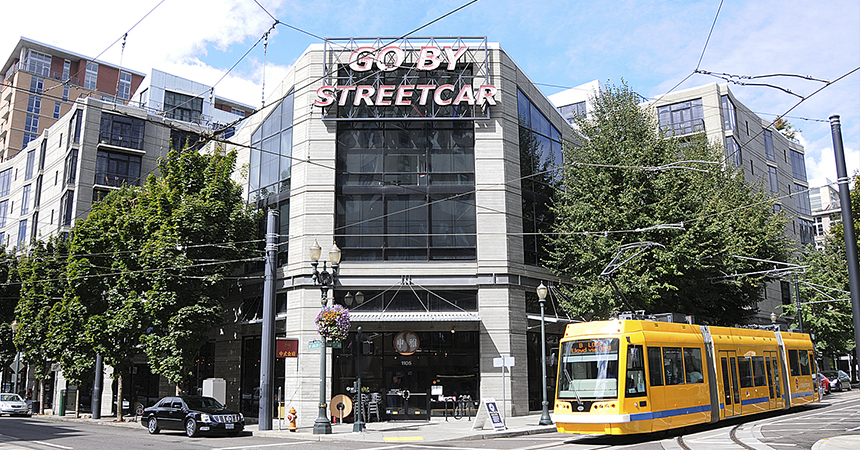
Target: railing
42,72
115,179
684,128
120,140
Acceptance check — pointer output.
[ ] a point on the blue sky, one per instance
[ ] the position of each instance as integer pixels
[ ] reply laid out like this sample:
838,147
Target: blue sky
652,45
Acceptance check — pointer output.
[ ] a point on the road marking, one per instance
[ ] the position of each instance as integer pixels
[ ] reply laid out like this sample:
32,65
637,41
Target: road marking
401,439
53,445
252,446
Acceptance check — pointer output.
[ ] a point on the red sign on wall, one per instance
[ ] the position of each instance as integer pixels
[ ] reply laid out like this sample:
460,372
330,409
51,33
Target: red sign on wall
287,348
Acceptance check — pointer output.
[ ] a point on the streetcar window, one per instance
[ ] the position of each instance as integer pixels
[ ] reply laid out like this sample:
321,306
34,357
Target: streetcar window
726,388
769,376
673,365
737,393
759,375
745,371
655,366
793,363
589,369
635,383
804,363
693,365
776,377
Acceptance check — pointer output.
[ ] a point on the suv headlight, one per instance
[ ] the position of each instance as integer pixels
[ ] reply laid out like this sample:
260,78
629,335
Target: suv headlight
205,418
241,417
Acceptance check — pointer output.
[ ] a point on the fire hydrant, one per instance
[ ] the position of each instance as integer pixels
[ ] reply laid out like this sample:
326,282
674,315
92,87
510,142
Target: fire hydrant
291,417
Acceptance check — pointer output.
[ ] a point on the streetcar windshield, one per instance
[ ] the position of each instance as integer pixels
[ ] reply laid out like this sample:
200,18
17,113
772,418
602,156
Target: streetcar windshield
588,369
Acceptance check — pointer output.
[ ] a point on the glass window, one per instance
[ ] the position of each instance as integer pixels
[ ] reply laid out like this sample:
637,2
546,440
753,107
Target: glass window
768,145
589,369
635,382
776,377
66,92
733,151
727,391
729,120
120,131
745,371
67,208
116,169
124,86
270,169
5,182
759,373
769,376
772,180
802,194
71,167
25,200
67,69
798,166
807,231
75,127
655,366
803,360
793,362
693,365
39,63
673,365
29,137
92,75
182,107
31,125
37,85
4,210
34,104
682,118
30,165
37,192
22,233
57,109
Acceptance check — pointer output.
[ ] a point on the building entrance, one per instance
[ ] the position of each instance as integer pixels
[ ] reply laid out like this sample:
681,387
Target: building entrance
408,395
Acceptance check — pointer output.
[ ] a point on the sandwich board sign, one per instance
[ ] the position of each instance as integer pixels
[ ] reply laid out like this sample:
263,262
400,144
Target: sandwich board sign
488,410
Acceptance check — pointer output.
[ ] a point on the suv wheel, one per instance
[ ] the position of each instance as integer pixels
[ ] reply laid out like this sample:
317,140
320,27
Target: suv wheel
152,425
191,428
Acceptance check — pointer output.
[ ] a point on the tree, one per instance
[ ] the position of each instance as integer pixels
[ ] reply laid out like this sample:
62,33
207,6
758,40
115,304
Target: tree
825,280
42,273
149,264
720,215
9,292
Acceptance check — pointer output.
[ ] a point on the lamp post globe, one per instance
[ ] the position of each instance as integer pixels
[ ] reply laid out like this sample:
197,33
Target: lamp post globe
544,415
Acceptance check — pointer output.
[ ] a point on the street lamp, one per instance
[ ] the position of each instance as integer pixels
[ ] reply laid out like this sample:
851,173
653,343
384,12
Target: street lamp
544,414
17,355
773,318
325,280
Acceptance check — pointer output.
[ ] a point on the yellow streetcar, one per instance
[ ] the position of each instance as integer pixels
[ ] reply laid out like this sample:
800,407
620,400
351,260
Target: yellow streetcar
641,376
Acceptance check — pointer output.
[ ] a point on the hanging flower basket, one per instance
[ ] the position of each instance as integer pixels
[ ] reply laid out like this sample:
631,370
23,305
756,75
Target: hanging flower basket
333,323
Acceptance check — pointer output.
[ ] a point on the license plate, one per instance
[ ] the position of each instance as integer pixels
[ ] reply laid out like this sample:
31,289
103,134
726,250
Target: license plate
228,426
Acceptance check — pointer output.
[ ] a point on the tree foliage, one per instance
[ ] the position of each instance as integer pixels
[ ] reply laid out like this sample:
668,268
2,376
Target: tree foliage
826,279
610,192
9,292
148,269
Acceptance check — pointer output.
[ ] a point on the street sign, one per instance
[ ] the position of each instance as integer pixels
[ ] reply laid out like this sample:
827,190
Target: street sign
316,343
507,361
332,344
16,363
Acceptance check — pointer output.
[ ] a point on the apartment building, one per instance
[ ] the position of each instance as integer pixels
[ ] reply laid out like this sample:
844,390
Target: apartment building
41,83
826,211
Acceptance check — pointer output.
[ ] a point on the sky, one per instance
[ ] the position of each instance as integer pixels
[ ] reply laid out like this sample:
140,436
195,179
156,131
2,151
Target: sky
651,45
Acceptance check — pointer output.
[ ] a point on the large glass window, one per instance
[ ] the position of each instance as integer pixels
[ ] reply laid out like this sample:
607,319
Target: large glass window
22,233
4,211
182,107
25,200
381,212
75,127
67,208
124,86
772,180
120,131
116,169
30,165
682,118
693,365
540,168
39,63
807,231
71,167
768,145
271,153
589,370
5,182
673,365
729,120
798,166
571,112
37,85
655,366
92,76
733,151
635,384
802,194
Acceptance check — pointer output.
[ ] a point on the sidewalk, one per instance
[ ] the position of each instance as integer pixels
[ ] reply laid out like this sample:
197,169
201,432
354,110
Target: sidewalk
434,430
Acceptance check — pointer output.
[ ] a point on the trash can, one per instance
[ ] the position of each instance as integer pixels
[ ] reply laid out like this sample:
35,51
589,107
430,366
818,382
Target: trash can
34,407
61,411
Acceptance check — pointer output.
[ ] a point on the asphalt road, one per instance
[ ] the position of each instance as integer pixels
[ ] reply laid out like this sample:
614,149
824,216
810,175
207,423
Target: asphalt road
800,428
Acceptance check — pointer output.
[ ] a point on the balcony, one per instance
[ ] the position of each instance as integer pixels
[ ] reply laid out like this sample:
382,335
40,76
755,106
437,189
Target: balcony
121,140
42,72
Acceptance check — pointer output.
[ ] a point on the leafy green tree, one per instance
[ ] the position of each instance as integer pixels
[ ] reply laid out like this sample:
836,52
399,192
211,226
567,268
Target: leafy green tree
42,273
826,280
612,191
149,264
9,293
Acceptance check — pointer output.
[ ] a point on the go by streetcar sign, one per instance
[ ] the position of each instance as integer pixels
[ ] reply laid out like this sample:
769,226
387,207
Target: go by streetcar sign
402,79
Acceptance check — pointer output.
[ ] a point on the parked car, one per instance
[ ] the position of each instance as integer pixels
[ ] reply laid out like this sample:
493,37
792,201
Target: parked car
823,383
193,414
839,380
13,405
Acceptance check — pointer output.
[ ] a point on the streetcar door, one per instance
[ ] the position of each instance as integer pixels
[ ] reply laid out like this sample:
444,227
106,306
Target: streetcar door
772,379
730,395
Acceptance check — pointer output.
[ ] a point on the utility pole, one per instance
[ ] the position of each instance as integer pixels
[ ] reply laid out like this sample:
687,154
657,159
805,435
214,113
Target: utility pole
848,228
97,388
267,347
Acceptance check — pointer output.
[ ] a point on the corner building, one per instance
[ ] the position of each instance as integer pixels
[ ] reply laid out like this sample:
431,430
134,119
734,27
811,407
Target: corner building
407,154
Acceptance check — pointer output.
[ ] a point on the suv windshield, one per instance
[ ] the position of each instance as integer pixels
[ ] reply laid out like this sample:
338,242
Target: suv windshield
203,402
589,369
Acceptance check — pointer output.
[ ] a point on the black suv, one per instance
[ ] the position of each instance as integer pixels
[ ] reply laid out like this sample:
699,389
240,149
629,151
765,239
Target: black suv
193,414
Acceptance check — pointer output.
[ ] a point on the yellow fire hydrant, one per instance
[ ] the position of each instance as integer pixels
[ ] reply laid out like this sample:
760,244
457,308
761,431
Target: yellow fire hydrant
291,417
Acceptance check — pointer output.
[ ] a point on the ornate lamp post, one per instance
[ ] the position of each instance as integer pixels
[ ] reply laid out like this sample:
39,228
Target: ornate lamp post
325,280
544,415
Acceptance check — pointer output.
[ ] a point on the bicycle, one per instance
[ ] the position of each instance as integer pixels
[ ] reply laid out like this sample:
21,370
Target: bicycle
462,405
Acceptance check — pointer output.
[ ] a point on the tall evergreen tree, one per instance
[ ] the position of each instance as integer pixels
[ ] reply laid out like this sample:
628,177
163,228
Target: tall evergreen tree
613,196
